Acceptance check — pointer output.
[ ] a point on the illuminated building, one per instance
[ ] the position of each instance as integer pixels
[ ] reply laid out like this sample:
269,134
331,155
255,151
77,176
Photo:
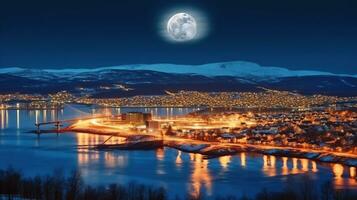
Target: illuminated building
136,117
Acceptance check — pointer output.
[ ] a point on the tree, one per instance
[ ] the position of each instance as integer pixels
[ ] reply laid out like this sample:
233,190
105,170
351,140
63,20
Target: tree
74,184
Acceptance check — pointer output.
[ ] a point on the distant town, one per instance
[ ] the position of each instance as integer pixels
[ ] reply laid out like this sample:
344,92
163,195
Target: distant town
269,99
275,122
327,135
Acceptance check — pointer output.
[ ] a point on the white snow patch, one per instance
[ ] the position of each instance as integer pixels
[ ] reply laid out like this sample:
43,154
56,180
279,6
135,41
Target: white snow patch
192,147
234,68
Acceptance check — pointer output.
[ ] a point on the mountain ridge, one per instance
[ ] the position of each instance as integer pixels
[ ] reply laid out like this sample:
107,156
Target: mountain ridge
155,79
232,68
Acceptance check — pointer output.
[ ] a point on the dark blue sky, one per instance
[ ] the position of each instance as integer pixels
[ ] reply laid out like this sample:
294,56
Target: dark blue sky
296,34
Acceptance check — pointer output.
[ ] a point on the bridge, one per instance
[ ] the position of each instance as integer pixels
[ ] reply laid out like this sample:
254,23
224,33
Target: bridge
59,123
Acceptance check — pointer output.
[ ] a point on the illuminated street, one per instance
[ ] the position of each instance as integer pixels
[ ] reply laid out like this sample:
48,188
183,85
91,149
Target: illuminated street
229,132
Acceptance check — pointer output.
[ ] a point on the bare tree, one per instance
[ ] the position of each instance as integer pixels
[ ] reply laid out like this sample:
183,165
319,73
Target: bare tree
74,184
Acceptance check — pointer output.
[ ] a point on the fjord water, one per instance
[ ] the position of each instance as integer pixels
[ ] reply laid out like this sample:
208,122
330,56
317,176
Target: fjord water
178,172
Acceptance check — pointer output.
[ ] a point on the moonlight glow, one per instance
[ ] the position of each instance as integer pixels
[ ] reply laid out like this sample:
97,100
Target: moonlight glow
183,25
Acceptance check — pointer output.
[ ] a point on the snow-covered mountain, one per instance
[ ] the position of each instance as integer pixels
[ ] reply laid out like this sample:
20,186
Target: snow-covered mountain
149,79
236,69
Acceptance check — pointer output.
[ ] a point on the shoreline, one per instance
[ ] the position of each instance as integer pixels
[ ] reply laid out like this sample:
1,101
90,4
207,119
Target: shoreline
210,151
213,149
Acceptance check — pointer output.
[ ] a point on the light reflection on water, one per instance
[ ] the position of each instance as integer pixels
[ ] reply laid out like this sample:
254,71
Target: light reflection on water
352,172
178,159
3,119
162,166
160,154
224,161
243,159
201,177
288,165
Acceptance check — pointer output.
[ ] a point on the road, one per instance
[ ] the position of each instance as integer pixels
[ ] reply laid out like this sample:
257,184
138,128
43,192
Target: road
96,126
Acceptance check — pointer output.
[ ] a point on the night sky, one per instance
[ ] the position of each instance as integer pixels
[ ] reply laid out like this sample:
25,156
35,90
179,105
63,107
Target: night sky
301,34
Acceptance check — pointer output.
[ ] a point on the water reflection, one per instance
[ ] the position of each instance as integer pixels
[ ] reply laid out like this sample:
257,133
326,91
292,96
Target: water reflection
110,160
338,173
13,118
304,164
53,115
286,166
338,170
344,176
295,166
272,161
269,168
178,160
265,162
243,159
352,172
314,166
224,161
200,176
85,139
44,115
160,154
3,119
36,117
201,172
7,118
86,156
17,119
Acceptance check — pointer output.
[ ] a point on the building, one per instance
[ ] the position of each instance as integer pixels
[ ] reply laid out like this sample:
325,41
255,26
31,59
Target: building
153,125
136,117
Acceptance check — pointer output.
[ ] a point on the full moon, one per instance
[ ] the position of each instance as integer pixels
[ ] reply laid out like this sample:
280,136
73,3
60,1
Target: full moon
182,27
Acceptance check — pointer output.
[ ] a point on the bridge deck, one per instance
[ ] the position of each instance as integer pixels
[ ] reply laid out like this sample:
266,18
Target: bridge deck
75,119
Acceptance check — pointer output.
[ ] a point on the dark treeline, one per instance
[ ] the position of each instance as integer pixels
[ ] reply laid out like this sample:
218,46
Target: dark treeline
13,185
59,187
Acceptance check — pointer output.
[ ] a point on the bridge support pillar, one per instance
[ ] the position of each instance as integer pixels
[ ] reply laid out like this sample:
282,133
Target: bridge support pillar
58,127
38,130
